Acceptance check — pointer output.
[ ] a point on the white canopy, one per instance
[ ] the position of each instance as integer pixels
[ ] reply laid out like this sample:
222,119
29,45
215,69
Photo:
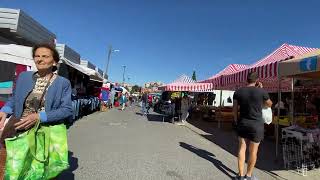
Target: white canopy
17,54
94,75
23,55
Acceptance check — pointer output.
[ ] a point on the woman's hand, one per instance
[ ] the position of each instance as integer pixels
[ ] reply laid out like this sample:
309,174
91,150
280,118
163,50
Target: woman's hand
3,117
27,122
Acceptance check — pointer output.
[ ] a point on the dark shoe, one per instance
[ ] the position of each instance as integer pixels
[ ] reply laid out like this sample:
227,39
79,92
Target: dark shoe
250,178
239,178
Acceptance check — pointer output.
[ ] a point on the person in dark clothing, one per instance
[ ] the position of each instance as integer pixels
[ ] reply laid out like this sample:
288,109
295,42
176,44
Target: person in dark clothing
250,125
149,103
144,100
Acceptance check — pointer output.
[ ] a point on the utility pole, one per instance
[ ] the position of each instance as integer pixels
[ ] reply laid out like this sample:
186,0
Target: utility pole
108,61
110,51
124,71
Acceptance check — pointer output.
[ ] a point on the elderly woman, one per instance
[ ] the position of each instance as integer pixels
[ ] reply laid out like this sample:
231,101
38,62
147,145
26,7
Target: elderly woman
39,96
57,105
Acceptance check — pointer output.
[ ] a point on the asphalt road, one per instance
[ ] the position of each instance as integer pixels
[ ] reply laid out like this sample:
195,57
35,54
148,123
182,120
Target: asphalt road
123,145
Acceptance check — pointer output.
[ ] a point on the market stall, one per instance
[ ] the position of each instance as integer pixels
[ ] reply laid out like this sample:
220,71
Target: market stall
14,59
223,101
185,83
216,80
267,68
85,82
301,141
174,92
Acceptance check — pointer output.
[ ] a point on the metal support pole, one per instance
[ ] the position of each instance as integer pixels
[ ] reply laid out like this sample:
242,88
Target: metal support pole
108,61
292,102
220,111
278,118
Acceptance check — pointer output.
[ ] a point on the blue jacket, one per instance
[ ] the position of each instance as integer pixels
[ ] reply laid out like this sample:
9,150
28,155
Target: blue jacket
58,104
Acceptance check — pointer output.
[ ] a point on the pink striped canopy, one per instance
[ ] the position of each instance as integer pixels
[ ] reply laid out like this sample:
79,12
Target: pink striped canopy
192,87
230,69
184,79
185,83
267,67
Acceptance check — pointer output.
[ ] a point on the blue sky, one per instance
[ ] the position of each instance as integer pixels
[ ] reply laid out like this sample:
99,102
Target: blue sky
161,39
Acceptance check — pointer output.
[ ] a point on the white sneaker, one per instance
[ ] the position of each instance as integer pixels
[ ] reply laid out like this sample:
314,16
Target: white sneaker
180,123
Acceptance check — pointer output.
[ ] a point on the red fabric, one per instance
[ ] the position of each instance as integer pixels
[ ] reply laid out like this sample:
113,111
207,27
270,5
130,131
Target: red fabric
116,104
1,104
20,68
105,88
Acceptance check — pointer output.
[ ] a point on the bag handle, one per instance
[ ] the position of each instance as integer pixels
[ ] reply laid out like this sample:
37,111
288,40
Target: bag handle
43,94
32,138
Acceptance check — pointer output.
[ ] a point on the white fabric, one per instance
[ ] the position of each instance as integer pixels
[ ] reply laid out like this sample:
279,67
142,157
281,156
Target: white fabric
17,50
17,54
281,104
267,115
94,75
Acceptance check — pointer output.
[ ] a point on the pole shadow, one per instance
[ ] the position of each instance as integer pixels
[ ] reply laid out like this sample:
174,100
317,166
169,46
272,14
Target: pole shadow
209,157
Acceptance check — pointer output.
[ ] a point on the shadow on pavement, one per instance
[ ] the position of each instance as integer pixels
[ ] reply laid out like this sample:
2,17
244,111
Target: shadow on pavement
159,118
226,138
155,117
68,174
210,157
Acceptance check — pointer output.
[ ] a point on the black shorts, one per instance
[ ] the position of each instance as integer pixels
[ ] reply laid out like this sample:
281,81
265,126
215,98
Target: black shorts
251,130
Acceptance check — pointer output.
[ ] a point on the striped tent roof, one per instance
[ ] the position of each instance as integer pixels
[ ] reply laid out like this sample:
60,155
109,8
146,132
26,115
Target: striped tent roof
283,52
184,79
267,67
230,69
185,83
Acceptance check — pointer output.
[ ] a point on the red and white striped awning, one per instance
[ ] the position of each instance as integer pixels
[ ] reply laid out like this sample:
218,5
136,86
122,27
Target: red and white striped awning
267,67
230,69
184,79
185,83
192,87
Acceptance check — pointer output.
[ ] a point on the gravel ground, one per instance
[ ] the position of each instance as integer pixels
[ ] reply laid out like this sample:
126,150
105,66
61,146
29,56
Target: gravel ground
123,145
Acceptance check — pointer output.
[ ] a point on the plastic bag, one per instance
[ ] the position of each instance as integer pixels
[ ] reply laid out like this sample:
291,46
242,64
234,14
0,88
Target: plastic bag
40,153
267,115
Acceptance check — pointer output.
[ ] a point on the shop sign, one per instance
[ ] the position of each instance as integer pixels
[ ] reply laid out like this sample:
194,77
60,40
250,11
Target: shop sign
308,64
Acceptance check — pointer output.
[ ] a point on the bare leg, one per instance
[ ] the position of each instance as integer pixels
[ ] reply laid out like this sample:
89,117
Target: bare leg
253,150
241,155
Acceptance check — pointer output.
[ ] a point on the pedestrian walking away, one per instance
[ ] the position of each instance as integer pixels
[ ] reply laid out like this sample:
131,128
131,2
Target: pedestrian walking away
250,125
149,103
185,105
144,102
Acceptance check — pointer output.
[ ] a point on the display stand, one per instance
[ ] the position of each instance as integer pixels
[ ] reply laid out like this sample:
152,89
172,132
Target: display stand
301,148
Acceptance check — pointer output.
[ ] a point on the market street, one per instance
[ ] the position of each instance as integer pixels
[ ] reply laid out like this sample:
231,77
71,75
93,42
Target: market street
125,145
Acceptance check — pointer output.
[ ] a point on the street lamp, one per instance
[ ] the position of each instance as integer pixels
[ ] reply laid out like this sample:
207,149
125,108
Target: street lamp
110,51
124,71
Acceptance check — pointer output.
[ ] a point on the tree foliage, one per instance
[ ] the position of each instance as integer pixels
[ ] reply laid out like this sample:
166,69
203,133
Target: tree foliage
194,77
135,88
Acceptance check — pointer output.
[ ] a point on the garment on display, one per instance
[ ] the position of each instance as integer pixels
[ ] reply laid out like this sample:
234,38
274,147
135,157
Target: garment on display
301,148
